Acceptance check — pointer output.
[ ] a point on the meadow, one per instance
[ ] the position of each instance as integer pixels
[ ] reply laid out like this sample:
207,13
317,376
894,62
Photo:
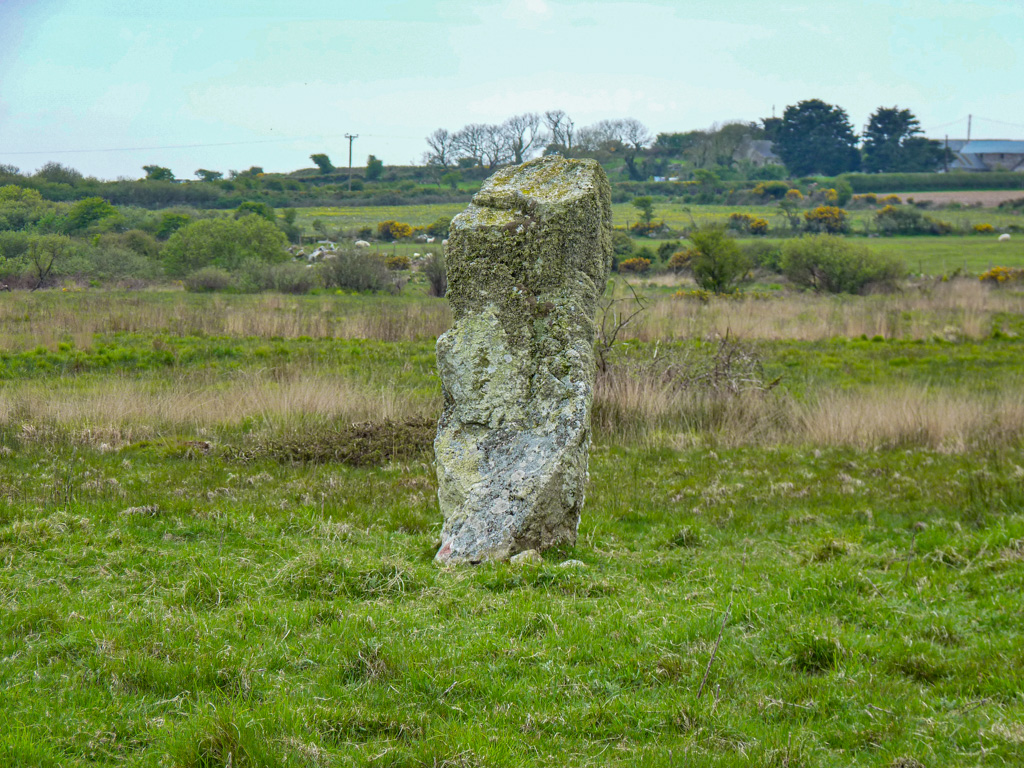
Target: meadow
803,541
676,215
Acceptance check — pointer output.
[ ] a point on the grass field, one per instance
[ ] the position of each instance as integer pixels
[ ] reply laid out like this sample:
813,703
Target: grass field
924,255
803,542
675,215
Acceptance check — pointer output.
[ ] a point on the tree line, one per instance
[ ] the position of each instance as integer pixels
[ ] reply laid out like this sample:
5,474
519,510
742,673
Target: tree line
811,137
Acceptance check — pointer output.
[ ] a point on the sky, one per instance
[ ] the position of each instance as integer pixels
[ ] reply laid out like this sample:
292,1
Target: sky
107,86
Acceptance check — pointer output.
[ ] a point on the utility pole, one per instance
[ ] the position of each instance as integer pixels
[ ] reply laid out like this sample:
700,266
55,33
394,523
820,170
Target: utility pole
945,155
969,127
351,138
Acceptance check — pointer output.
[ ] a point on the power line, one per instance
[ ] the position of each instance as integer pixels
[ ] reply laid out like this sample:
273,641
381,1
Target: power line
951,122
168,146
1000,122
195,146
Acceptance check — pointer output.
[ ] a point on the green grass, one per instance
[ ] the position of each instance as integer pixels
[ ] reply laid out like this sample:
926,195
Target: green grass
943,255
674,214
189,595
165,607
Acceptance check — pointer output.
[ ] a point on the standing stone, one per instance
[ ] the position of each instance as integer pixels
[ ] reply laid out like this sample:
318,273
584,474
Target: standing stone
527,261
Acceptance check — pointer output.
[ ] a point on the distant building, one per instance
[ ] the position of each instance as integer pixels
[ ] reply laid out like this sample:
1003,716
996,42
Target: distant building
986,155
758,152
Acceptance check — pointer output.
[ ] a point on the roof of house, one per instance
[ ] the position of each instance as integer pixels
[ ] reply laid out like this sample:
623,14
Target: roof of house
993,146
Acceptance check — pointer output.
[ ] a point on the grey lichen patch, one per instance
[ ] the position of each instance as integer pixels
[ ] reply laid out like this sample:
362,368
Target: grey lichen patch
527,261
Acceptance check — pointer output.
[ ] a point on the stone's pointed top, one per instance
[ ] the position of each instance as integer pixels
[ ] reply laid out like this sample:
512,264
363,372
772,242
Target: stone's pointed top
540,182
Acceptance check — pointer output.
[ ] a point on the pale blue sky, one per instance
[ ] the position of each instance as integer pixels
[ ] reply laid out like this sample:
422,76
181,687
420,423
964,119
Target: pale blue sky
272,84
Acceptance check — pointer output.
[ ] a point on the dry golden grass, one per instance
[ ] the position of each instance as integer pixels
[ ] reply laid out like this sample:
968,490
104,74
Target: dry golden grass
29,320
650,411
120,409
959,308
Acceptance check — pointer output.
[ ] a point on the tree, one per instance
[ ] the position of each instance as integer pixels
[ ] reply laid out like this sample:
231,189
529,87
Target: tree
87,212
717,262
158,173
645,206
891,143
561,131
44,253
55,173
635,137
815,137
374,168
625,137
288,226
250,208
452,179
471,142
720,145
171,223
323,162
522,133
204,175
496,149
21,206
442,149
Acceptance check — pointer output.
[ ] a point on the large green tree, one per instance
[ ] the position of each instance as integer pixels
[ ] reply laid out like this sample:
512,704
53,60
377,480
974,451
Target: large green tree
158,173
815,137
892,144
323,162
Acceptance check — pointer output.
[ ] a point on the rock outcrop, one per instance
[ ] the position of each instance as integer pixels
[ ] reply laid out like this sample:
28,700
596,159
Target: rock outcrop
527,261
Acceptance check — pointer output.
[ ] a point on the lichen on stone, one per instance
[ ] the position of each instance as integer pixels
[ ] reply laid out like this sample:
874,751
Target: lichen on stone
527,261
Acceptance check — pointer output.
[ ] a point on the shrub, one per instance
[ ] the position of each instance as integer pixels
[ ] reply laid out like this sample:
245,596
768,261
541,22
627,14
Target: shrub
622,244
764,255
223,243
680,261
87,212
758,227
208,280
740,222
647,228
843,190
869,199
437,274
356,270
826,218
13,244
397,262
984,229
636,265
393,230
793,195
249,208
717,262
20,207
891,220
439,228
773,189
1002,275
171,223
891,200
666,249
112,261
290,277
835,265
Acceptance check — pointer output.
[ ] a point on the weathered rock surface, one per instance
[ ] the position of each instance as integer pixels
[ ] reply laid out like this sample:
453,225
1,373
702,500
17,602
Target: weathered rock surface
527,261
